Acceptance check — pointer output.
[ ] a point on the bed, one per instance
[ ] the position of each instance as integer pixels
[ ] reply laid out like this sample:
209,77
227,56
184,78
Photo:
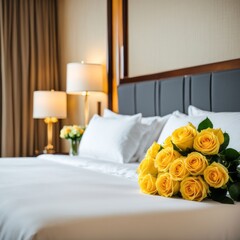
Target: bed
94,197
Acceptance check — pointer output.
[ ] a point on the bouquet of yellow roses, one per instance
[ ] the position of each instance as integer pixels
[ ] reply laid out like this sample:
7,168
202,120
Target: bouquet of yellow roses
74,133
194,164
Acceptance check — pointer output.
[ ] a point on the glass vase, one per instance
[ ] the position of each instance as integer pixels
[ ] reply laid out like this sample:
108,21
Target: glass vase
74,146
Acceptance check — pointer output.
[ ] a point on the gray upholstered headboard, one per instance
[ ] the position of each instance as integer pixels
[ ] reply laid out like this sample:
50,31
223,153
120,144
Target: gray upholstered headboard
213,91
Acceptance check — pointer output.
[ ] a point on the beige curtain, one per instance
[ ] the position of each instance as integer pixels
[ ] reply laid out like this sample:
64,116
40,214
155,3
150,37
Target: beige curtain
28,38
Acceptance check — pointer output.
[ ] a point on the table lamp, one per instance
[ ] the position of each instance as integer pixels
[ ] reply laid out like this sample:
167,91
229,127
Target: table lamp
50,106
83,78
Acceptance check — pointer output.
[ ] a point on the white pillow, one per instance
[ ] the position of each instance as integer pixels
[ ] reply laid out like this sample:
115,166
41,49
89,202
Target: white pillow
161,121
146,124
156,125
176,121
115,140
227,121
194,111
110,114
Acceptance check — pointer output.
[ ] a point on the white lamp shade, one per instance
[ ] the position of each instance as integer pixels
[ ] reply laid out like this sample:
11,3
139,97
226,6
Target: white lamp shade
83,77
49,104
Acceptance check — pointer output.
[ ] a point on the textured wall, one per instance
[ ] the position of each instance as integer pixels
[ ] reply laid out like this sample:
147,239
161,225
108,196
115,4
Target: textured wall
82,37
171,34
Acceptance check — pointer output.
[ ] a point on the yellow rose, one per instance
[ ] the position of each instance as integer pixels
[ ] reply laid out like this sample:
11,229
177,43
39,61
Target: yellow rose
147,184
178,170
166,186
194,188
206,142
196,163
183,137
218,132
77,131
165,157
168,142
65,131
216,175
147,167
153,150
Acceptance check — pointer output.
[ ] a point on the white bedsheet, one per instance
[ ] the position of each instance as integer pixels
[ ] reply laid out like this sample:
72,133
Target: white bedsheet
127,170
60,198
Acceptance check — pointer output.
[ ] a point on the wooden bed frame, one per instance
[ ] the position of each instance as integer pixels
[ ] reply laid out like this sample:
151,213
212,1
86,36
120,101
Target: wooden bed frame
212,67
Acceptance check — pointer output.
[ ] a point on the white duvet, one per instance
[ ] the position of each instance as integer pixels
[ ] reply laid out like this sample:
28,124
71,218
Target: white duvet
59,197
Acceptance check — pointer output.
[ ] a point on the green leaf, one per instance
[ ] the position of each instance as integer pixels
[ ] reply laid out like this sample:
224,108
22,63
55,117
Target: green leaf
234,170
217,192
234,191
205,124
230,154
215,158
183,153
161,147
225,143
219,195
225,200
233,177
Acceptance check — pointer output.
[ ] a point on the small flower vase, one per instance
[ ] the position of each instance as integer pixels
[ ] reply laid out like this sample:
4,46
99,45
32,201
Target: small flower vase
74,145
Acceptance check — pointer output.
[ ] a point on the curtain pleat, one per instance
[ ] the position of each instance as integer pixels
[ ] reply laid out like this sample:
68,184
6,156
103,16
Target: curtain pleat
29,62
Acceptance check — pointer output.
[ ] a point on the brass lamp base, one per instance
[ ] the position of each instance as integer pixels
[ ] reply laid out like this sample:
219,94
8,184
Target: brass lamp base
48,150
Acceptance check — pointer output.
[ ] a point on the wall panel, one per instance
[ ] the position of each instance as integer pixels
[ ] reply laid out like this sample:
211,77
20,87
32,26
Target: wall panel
167,35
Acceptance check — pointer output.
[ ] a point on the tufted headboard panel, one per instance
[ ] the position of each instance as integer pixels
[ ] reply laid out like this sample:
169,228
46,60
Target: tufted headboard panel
213,91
